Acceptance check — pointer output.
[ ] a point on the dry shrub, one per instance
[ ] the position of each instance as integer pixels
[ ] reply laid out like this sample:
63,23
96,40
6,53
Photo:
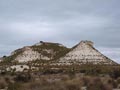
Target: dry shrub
3,83
43,84
65,78
73,84
95,83
86,80
65,82
118,80
107,87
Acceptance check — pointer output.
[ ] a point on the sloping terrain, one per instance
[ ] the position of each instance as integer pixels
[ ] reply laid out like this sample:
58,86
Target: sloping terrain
84,53
40,51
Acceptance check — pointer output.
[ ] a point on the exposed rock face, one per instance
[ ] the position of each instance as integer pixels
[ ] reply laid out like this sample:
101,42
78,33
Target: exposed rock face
30,55
39,51
18,68
84,53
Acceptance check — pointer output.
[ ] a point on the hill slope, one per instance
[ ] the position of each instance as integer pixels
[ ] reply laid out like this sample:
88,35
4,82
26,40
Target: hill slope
84,53
40,51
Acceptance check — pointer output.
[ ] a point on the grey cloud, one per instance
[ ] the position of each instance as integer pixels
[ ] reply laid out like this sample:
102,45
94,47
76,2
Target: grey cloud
112,53
66,21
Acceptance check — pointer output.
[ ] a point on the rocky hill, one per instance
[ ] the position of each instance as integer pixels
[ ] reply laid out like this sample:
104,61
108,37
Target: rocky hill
41,51
85,53
47,55
57,54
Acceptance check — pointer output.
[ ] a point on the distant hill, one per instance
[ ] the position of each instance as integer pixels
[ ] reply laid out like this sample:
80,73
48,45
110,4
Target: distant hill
85,53
58,54
40,51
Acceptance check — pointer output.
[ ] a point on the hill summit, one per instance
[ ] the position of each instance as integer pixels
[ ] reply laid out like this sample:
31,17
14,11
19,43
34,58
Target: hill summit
85,53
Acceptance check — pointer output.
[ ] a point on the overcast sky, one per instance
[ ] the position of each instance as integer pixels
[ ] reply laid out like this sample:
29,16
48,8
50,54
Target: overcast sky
25,22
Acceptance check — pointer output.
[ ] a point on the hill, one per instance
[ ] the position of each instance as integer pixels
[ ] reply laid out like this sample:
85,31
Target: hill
42,51
85,53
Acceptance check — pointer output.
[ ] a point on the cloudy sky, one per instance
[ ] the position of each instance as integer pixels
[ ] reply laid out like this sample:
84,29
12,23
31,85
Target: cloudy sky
25,22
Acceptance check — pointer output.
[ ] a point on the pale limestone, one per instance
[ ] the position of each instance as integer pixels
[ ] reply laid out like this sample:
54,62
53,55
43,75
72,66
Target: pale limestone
84,53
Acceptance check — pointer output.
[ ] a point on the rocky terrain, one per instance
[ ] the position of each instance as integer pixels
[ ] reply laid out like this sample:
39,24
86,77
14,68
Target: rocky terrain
41,51
53,66
54,55
84,53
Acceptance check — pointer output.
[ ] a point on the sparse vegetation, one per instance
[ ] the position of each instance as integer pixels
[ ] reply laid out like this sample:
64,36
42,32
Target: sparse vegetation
56,51
59,82
44,75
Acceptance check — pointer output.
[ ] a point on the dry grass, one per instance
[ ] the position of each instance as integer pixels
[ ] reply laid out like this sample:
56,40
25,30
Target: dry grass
61,82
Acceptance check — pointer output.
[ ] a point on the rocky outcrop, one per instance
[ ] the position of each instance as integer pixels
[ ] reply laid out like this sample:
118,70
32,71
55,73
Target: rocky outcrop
84,53
18,68
40,51
30,55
